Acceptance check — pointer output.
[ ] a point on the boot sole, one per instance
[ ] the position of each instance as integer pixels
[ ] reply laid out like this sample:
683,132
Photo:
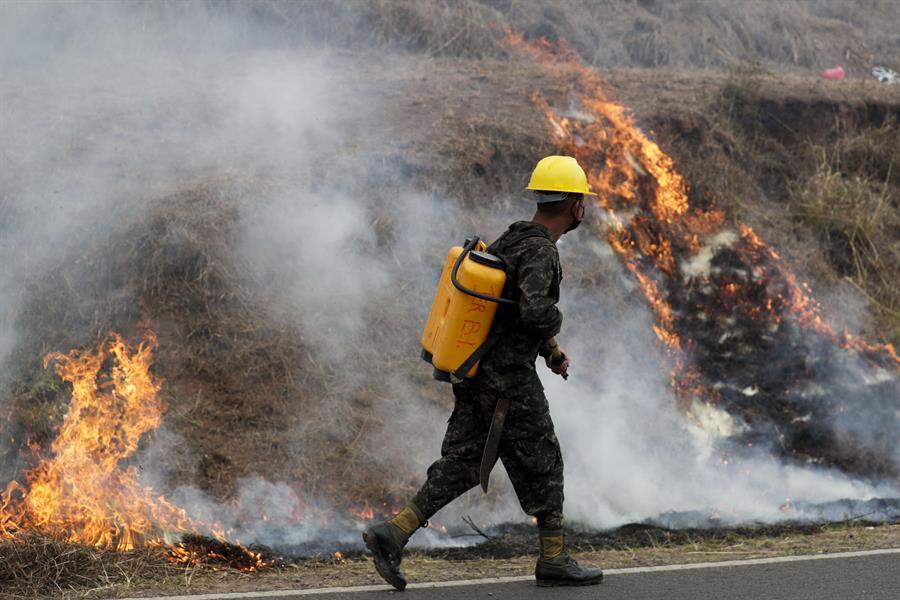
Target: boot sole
567,583
381,563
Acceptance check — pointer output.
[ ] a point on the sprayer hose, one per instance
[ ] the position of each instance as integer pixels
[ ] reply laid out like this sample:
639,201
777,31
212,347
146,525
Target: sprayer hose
462,255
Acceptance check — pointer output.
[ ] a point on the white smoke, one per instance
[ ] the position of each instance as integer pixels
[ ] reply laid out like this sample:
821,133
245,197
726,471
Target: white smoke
107,106
110,106
632,455
300,241
104,110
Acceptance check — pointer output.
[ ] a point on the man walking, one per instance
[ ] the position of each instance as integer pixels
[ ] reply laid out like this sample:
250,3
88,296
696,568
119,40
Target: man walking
507,382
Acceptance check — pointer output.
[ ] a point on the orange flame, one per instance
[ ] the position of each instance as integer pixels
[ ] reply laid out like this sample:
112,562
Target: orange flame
648,215
83,492
86,492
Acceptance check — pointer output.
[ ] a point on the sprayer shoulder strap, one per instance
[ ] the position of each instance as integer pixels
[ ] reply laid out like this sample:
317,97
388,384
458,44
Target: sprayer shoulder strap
511,238
473,358
508,239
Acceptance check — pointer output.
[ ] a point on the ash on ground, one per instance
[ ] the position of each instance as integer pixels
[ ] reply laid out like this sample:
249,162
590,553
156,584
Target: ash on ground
465,542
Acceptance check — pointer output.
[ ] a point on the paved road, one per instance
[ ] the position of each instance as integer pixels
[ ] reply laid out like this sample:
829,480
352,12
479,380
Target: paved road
873,577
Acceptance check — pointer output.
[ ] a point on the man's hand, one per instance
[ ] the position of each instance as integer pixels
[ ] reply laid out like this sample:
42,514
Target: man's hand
559,363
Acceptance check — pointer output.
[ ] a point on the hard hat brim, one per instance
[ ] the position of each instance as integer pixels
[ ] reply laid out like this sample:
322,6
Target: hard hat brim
543,189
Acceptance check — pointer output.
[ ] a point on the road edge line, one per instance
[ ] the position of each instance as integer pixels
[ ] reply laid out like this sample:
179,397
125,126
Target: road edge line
495,580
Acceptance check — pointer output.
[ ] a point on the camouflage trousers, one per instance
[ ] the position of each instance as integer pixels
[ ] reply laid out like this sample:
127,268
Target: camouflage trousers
528,450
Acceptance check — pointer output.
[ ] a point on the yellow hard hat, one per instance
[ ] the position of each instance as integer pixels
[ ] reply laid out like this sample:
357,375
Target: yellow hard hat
559,174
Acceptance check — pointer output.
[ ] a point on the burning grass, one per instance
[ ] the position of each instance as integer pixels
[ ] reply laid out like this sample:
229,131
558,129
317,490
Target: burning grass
743,332
245,386
34,565
83,492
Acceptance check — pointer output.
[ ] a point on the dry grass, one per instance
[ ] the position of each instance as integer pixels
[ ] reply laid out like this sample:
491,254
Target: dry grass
815,176
853,213
852,204
677,33
244,387
739,100
34,566
424,567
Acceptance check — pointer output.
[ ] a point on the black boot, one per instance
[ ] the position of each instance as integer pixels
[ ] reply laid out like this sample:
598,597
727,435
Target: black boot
386,541
565,570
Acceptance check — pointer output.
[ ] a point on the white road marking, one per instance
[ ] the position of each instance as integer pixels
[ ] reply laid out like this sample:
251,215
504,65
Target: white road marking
495,580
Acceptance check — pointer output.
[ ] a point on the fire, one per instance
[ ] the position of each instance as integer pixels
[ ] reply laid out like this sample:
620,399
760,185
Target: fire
197,550
85,492
788,506
366,512
646,200
82,492
725,305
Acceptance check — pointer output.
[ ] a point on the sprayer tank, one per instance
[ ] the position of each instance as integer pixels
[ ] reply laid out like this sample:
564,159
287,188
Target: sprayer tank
458,323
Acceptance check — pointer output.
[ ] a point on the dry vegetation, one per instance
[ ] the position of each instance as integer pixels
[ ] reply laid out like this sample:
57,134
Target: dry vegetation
857,218
36,567
41,567
810,167
812,174
607,33
842,191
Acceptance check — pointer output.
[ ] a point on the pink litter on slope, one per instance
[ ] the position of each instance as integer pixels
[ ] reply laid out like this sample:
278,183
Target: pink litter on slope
835,74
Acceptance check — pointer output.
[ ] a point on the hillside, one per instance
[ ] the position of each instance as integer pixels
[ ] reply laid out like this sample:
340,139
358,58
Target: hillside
274,202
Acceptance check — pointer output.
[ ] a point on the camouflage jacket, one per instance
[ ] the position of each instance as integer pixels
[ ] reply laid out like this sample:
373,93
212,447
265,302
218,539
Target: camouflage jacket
533,276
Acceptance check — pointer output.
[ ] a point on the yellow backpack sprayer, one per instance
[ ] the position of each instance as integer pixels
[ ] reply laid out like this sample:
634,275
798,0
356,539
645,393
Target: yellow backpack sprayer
456,334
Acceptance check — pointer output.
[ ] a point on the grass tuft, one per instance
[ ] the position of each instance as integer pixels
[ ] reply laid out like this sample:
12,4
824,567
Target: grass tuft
37,566
849,202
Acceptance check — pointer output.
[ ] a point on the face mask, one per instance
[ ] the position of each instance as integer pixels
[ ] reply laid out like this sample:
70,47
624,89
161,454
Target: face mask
574,225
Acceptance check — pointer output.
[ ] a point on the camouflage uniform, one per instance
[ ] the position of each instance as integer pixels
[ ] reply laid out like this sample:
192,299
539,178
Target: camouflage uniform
529,449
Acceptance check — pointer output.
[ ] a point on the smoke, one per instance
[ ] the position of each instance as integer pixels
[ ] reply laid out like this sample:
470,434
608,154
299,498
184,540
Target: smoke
107,107
299,243
104,110
631,455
